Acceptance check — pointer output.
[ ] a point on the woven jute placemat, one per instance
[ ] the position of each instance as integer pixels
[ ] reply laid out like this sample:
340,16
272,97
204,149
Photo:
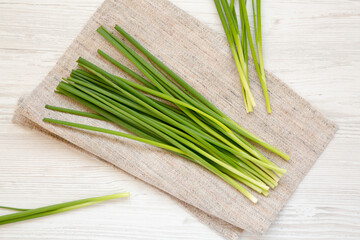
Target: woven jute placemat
201,57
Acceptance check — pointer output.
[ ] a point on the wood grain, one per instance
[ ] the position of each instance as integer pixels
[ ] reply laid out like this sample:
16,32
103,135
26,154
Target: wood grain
313,47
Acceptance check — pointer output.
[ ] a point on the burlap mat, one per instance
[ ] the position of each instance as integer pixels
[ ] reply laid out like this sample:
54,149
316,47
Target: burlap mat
202,57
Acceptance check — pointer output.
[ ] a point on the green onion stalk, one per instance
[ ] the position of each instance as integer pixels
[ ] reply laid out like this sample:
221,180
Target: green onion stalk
159,108
228,17
26,214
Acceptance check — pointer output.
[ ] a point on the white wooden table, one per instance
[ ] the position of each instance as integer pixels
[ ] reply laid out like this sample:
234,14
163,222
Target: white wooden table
313,46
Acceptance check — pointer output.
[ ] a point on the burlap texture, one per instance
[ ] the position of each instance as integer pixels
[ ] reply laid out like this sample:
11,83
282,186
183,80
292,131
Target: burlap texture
201,57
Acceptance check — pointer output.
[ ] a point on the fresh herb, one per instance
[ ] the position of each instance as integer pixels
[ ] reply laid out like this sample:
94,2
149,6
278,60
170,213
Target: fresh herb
26,214
166,112
228,17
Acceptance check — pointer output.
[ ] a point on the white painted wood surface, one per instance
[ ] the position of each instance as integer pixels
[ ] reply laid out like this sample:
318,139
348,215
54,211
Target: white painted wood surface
313,46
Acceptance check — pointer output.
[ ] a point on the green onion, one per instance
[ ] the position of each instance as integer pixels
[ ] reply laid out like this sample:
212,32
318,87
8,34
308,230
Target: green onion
26,214
229,22
228,19
162,110
15,209
75,112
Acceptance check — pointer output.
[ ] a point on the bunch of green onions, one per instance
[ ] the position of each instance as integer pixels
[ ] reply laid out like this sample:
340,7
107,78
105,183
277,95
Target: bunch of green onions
26,214
164,111
239,45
